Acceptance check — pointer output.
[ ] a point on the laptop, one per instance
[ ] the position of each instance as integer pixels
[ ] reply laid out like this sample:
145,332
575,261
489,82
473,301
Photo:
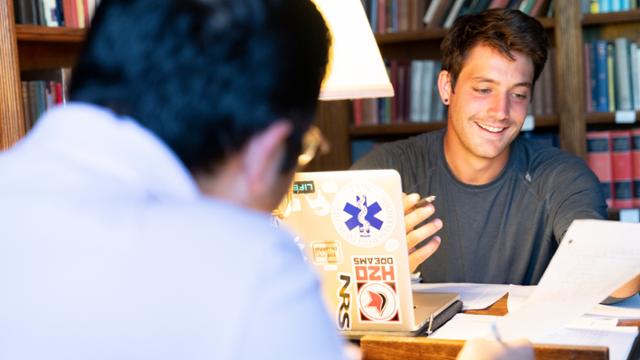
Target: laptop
350,225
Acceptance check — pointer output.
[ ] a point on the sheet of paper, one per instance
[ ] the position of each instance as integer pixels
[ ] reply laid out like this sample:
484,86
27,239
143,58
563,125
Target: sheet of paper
473,296
618,340
627,309
594,258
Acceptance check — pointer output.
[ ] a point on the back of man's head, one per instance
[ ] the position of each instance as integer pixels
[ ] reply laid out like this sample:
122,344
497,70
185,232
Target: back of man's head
206,75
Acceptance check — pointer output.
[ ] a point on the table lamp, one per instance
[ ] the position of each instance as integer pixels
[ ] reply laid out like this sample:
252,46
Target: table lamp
355,70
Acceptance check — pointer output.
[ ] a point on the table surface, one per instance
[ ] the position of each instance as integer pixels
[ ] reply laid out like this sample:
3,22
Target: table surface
394,347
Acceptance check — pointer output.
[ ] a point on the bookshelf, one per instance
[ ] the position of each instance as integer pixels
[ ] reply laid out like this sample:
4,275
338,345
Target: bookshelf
28,47
565,29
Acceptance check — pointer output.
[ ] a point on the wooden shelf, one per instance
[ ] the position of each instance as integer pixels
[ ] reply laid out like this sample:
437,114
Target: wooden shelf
42,47
34,33
409,129
631,16
431,34
600,118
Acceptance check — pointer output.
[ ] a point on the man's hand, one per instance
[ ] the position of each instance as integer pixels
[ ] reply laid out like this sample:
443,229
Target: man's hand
416,236
482,349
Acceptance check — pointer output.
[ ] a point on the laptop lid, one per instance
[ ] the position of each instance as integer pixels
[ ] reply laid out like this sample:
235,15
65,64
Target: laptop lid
351,228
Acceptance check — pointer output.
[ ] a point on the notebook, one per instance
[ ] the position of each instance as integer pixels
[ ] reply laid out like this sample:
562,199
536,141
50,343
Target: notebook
350,225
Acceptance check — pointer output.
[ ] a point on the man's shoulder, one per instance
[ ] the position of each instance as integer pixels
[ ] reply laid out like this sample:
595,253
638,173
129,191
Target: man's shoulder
409,150
552,170
538,157
207,220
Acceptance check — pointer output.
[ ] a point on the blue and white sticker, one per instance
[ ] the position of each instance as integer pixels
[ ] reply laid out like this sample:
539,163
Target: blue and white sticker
363,214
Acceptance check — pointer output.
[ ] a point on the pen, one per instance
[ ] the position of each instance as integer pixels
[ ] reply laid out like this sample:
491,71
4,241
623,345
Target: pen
425,201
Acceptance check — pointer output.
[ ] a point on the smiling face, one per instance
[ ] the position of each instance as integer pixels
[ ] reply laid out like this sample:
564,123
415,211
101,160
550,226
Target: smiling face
486,111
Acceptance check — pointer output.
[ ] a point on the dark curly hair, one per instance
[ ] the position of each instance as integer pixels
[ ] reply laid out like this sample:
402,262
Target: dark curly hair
502,29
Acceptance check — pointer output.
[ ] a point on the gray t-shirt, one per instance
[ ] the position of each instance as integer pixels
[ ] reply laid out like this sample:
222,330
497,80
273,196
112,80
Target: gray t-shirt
503,232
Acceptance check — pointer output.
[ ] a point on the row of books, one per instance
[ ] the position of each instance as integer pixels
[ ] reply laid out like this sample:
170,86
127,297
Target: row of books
417,99
69,13
42,90
386,16
613,72
605,6
416,96
614,156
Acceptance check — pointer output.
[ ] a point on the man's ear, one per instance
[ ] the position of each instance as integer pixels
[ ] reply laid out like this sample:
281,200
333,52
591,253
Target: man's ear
263,157
445,87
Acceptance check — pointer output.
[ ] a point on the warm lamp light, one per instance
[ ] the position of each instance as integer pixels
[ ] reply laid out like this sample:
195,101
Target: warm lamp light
356,69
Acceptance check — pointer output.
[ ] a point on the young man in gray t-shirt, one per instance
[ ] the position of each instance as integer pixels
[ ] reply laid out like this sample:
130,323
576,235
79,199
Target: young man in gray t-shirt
503,203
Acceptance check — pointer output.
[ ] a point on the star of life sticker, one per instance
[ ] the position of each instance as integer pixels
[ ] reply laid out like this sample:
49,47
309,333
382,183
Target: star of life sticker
363,214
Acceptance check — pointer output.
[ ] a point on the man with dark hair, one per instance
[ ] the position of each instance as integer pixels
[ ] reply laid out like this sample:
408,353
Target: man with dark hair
136,220
505,202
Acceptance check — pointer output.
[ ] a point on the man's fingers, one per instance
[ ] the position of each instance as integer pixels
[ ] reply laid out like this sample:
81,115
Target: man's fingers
427,230
409,201
420,255
415,217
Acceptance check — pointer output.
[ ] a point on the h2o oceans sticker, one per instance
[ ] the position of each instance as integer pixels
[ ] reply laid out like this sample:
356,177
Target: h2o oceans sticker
376,284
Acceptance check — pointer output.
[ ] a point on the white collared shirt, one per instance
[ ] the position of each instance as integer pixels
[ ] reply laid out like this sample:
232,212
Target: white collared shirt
109,251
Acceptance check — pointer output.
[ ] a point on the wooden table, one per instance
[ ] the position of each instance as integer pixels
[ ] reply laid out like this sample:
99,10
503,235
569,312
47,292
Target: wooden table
391,347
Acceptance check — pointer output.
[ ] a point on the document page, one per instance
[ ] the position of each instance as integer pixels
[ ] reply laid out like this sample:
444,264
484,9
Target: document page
627,309
594,258
618,340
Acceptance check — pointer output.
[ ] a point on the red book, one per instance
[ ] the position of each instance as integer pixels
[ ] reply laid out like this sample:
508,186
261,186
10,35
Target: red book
599,160
635,158
357,112
66,13
58,92
622,169
382,16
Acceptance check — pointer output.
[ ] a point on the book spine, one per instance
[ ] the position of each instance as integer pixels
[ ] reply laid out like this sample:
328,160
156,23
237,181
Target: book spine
599,160
417,68
635,159
427,91
623,74
621,169
600,59
382,16
357,112
611,86
635,75
588,76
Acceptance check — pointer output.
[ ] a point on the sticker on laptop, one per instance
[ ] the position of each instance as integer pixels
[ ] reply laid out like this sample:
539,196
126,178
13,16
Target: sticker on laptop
377,298
344,298
363,214
326,252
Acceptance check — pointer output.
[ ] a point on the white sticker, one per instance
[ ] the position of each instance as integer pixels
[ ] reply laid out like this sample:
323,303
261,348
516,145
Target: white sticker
630,215
363,214
625,117
529,123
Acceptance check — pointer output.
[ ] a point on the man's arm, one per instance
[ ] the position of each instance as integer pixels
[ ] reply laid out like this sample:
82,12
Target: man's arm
579,196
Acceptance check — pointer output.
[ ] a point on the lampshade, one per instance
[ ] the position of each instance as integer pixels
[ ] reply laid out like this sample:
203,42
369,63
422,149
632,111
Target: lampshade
356,69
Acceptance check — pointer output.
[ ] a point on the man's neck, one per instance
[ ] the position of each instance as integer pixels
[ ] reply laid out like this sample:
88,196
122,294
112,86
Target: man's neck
471,169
